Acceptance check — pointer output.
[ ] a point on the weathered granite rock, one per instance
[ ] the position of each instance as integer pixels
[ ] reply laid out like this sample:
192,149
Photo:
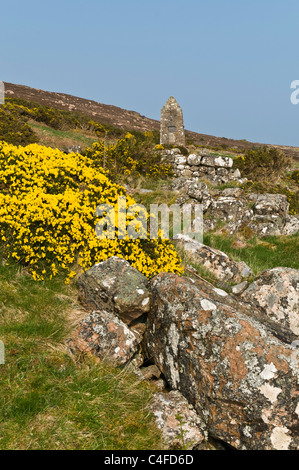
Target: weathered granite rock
200,192
174,415
217,262
239,288
270,212
231,209
180,159
106,336
187,173
180,183
271,206
214,161
264,228
194,159
276,293
291,226
116,286
233,192
242,381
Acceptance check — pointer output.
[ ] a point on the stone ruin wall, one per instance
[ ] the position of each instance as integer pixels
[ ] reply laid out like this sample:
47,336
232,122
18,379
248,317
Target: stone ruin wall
217,169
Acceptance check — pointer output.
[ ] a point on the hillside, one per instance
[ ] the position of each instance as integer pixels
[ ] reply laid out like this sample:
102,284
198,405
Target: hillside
124,119
103,339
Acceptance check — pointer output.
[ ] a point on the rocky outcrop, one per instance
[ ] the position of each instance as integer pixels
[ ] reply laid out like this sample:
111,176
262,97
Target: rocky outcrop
230,361
262,214
215,261
177,420
242,381
105,336
116,286
276,294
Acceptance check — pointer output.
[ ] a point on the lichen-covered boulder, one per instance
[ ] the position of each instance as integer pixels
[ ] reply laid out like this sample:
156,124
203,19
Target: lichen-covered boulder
116,286
218,263
276,293
105,336
242,381
177,420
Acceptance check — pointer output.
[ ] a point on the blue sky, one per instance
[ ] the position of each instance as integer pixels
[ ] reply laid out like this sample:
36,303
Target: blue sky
229,63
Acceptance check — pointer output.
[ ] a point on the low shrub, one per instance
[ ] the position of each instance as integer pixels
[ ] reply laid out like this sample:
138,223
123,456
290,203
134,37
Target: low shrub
264,164
14,129
47,215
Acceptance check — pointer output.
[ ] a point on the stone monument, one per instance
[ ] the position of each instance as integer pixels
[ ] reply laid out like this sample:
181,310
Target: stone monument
172,123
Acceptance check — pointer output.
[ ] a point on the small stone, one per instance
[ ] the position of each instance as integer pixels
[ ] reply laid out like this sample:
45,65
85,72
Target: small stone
239,288
174,415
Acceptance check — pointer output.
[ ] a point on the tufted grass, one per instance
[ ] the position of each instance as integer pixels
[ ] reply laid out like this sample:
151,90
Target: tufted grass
49,401
259,254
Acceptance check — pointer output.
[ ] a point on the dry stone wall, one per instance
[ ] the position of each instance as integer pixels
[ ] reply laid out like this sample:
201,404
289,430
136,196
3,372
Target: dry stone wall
217,169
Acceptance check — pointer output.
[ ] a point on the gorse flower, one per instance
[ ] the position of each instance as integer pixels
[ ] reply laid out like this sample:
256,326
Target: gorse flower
47,215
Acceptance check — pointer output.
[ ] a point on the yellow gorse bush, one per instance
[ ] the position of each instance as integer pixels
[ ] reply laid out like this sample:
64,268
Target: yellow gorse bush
47,215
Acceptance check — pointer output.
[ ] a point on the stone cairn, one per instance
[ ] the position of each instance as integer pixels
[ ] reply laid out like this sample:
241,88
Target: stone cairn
172,124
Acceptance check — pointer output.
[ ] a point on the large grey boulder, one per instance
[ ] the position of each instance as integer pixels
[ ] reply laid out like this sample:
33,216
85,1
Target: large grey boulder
242,381
275,293
116,286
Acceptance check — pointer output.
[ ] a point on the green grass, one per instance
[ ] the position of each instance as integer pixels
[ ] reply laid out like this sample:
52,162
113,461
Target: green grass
259,254
51,401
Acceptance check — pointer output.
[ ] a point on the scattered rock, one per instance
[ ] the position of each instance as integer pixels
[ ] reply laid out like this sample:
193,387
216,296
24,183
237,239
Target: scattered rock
105,336
239,288
116,286
215,261
150,372
177,420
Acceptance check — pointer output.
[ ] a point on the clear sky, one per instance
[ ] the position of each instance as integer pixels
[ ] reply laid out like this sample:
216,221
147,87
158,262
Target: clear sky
229,63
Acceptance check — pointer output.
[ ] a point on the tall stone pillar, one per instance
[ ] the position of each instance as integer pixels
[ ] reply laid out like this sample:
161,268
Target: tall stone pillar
172,123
